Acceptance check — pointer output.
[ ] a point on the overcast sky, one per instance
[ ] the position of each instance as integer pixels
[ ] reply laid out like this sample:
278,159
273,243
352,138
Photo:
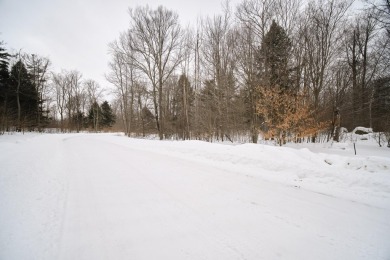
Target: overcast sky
74,34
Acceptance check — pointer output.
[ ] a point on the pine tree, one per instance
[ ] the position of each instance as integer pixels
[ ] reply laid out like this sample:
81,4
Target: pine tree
283,110
79,120
107,115
23,99
274,57
4,87
4,62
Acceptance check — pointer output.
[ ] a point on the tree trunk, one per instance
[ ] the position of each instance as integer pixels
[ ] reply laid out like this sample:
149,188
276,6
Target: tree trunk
18,123
160,108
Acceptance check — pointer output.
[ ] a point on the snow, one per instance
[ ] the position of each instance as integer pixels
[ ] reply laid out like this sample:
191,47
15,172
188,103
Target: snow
106,196
362,129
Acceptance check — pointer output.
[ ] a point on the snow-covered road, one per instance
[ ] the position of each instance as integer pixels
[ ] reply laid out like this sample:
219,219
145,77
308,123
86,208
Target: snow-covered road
109,197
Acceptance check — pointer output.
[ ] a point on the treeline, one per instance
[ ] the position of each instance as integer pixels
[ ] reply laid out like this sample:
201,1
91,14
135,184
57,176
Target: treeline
32,98
280,69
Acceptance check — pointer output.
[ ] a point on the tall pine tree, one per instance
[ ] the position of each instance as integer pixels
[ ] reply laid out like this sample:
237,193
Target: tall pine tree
274,57
4,87
282,109
108,116
23,97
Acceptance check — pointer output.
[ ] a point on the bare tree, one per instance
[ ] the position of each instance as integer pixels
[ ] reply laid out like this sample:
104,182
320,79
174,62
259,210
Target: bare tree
322,36
123,77
287,13
256,14
94,94
70,98
73,80
60,83
255,18
383,10
247,73
367,46
38,68
184,85
218,51
78,100
155,39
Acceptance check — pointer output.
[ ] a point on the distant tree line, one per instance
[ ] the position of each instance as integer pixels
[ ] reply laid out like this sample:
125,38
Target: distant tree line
33,98
284,70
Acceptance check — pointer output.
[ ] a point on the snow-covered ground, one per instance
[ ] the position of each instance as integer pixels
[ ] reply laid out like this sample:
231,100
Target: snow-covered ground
105,196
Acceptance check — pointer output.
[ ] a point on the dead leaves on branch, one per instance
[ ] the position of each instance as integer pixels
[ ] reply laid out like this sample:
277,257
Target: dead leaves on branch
286,115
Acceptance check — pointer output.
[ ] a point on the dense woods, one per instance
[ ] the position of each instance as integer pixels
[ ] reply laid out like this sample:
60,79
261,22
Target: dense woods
281,70
272,69
33,98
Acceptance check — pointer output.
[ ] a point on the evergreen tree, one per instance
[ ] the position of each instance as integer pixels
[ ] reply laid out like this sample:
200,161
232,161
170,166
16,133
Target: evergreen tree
4,86
147,120
101,116
108,117
79,120
282,109
274,56
4,73
23,99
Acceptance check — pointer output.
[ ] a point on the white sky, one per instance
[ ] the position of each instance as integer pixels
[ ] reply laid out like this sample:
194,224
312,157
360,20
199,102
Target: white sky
74,34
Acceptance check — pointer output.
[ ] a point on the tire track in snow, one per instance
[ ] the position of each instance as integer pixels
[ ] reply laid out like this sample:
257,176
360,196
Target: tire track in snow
216,233
82,237
181,205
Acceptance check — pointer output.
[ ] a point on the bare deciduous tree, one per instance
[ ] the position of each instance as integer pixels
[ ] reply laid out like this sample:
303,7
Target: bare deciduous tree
256,14
123,77
322,36
38,68
218,51
59,86
94,94
155,40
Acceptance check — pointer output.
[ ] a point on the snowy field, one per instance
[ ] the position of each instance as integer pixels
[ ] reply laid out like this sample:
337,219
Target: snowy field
105,196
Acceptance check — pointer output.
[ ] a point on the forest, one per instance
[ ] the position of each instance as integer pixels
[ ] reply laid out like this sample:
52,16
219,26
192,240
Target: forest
33,98
284,70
